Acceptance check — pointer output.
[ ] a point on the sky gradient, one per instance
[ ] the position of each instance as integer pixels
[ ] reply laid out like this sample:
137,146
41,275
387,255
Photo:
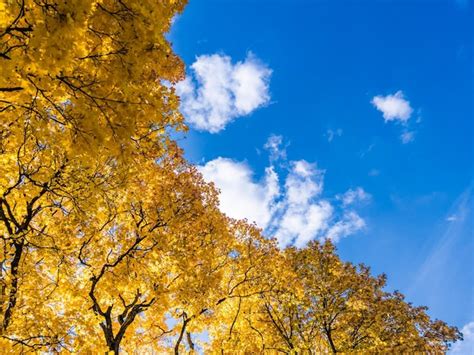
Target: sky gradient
349,120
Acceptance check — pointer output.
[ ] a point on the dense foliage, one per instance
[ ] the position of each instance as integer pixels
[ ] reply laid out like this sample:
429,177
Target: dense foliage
111,241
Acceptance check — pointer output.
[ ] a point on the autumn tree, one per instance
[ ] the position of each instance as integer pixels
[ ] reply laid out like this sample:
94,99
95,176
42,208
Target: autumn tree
112,241
81,102
325,305
160,255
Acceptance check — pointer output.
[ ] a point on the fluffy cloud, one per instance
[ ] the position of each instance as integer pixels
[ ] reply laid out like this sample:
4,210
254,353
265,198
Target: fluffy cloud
467,345
303,215
291,209
394,107
353,196
348,224
218,91
240,196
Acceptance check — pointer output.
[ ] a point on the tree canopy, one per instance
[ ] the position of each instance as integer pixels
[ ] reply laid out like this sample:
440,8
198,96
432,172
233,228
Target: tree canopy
112,241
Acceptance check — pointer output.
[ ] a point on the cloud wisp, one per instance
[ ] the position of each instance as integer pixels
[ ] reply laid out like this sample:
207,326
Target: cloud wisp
276,148
457,220
331,134
353,196
217,91
407,137
288,204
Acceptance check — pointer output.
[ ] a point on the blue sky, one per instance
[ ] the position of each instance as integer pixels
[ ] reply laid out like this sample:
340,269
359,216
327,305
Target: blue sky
351,120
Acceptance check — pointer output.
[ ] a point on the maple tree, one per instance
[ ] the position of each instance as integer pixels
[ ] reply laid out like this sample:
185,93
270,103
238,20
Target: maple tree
112,241
320,304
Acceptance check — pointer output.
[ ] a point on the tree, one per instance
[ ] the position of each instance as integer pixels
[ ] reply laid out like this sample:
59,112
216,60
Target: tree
111,241
82,105
323,305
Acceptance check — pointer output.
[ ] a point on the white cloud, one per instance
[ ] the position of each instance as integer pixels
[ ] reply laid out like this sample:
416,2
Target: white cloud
302,223
291,209
407,137
354,196
303,214
331,134
240,196
467,345
394,107
303,182
452,218
218,91
350,223
275,148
